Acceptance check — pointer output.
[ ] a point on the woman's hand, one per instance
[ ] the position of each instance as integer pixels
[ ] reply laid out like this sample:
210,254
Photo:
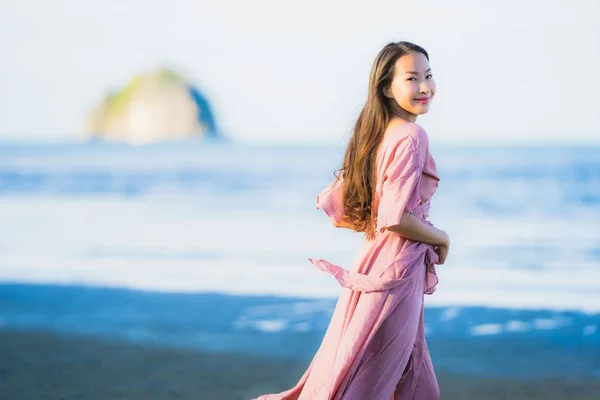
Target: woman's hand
442,252
344,223
442,249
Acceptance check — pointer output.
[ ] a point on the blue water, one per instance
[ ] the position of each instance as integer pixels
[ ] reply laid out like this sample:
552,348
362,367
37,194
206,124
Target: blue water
205,245
491,179
499,342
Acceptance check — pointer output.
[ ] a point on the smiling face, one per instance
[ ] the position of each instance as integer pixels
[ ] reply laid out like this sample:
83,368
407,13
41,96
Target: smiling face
412,88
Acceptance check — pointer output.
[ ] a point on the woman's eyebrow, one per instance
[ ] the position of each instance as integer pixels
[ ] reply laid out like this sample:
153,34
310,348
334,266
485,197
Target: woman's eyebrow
416,73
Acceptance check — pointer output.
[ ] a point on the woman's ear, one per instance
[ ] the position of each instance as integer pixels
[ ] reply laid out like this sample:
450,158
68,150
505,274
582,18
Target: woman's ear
387,92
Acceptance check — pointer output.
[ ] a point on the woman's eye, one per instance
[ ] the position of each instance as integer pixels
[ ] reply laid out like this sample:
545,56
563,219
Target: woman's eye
414,79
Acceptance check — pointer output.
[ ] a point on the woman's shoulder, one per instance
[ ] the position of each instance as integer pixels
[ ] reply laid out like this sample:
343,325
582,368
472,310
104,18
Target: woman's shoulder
409,133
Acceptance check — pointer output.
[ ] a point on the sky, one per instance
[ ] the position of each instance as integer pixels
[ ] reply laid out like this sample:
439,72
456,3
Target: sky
297,72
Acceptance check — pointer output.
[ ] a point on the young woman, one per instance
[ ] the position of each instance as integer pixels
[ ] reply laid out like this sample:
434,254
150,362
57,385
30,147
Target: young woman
374,347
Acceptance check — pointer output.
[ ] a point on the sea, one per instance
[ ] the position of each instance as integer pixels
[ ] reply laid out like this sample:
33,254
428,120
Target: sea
206,244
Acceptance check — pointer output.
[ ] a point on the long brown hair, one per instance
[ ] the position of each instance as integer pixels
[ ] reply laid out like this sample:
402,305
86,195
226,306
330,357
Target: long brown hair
359,160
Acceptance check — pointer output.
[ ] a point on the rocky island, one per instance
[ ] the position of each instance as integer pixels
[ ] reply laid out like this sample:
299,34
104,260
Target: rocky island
153,107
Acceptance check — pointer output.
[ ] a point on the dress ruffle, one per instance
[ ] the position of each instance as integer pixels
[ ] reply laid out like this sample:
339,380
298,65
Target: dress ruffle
390,277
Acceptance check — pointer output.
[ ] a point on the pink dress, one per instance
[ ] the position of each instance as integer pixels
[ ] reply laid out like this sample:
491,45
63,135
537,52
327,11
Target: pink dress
374,347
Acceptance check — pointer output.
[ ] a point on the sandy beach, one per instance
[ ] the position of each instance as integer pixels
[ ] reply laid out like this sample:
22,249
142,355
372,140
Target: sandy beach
42,365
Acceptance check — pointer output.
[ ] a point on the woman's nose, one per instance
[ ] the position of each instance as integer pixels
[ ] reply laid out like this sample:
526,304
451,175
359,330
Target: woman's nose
424,88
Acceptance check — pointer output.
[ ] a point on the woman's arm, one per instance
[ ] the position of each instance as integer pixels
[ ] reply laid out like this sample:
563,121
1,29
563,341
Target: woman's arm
410,227
413,228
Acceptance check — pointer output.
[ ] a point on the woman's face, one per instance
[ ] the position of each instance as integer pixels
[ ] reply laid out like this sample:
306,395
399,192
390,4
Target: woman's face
413,86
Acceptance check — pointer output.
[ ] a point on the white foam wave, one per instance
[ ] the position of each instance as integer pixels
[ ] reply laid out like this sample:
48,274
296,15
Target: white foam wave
270,326
517,326
486,329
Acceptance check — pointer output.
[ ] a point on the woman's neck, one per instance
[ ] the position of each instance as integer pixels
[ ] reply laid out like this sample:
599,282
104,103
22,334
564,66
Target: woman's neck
399,112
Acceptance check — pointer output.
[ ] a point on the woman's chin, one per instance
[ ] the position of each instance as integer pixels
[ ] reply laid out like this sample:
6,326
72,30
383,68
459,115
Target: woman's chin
423,110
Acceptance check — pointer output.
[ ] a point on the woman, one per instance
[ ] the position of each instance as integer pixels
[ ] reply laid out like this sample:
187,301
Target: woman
374,347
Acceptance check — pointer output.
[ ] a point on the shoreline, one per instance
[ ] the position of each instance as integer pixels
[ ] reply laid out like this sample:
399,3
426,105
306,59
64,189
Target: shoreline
41,364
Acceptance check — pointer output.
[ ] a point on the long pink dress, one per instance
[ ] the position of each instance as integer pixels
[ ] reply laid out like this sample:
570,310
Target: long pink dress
374,347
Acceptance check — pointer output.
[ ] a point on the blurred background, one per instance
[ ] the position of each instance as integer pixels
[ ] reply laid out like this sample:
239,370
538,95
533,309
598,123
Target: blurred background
159,163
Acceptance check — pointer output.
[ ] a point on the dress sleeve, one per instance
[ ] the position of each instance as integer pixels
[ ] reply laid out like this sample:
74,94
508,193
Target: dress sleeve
331,200
400,187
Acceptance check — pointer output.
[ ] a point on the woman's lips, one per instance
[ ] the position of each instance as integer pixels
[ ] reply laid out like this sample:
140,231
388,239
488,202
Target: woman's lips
424,101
